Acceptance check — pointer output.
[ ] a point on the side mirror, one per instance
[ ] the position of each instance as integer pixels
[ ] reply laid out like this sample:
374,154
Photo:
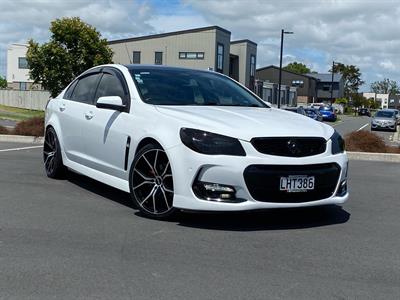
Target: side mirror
110,102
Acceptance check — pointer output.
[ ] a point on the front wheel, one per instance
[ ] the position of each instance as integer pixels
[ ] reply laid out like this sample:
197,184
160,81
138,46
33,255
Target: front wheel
151,182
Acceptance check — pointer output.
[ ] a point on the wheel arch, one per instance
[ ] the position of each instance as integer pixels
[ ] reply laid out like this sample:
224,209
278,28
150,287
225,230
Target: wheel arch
146,141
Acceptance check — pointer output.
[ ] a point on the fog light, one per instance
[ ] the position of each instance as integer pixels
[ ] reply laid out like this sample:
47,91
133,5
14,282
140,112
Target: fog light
214,191
342,190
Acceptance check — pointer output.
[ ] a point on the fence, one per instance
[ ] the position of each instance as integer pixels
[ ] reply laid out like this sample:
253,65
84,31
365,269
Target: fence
24,99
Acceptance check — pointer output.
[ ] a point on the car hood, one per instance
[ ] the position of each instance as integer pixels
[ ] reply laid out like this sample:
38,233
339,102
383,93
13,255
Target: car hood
246,122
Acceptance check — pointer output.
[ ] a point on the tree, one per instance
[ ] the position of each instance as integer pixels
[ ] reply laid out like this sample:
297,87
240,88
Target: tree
3,83
385,86
357,100
298,68
74,47
351,75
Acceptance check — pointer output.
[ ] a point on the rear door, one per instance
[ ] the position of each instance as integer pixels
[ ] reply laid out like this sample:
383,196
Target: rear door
73,116
107,138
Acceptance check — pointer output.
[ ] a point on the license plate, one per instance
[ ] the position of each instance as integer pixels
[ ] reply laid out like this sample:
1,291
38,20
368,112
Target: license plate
297,183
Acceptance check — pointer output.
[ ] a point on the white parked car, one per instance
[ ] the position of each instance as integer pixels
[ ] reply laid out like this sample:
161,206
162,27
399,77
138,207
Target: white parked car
178,138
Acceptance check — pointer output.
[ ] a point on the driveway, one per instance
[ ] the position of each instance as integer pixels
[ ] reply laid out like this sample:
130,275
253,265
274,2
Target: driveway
79,239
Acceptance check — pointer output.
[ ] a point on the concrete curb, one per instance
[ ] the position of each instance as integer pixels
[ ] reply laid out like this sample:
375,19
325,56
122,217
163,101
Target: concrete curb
384,157
21,139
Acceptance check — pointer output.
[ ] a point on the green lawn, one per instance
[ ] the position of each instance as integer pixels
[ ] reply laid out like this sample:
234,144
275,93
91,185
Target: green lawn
18,114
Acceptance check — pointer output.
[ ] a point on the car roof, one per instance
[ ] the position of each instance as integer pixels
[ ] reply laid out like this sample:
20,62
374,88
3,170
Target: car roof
161,67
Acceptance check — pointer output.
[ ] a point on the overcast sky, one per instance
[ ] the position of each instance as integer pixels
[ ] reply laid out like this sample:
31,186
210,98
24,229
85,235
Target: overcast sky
365,33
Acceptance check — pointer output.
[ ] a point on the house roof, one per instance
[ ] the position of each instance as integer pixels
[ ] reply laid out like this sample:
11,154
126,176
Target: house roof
326,77
154,36
283,70
244,41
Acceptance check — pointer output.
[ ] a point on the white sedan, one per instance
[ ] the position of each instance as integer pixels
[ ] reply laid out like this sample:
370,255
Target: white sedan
178,138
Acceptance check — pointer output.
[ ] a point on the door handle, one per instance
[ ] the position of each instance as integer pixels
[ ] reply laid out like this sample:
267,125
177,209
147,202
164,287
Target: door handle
62,107
89,115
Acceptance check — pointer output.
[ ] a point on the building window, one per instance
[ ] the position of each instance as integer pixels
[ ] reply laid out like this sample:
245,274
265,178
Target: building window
22,63
158,58
22,86
252,65
298,83
252,71
326,87
136,57
220,58
191,55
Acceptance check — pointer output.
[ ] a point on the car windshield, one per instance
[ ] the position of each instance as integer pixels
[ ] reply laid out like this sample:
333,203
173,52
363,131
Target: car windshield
190,87
384,114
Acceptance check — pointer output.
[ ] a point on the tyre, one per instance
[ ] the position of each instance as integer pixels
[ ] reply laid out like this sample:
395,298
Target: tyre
151,182
52,158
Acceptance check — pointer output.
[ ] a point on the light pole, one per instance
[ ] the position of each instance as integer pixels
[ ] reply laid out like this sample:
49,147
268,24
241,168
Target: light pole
283,32
333,66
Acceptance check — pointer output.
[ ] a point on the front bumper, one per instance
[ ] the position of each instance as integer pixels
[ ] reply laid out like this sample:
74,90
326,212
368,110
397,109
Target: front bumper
383,126
189,166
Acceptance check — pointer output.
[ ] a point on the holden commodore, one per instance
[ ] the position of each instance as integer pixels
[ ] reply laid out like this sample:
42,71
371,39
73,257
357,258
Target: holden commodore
183,139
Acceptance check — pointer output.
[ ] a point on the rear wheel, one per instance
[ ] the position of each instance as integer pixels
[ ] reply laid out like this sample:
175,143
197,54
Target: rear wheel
52,155
151,182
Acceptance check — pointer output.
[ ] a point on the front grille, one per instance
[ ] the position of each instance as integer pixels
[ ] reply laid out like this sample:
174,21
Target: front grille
263,182
290,146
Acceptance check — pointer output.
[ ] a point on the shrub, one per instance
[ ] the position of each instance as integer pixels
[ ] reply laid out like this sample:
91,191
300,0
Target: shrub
31,127
4,130
365,141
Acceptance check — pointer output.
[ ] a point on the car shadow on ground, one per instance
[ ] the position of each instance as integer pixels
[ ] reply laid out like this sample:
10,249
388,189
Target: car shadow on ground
272,219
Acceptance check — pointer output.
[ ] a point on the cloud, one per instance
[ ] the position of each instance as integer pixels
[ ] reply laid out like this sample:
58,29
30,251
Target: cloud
21,20
363,33
357,32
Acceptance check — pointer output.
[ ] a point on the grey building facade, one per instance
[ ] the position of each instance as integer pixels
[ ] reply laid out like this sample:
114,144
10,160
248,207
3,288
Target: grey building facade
199,48
305,84
324,85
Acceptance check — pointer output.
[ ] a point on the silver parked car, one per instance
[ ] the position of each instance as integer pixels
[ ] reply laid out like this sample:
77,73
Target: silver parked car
396,113
384,119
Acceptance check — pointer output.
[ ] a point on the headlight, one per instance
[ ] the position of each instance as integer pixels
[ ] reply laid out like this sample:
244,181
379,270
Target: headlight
210,143
337,143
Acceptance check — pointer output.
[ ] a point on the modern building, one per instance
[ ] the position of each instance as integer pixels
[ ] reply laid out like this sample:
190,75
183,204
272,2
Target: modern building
311,87
325,84
385,100
306,85
268,91
17,67
207,48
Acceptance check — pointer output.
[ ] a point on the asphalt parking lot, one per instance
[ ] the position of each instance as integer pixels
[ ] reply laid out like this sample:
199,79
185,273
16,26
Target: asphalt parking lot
79,239
349,124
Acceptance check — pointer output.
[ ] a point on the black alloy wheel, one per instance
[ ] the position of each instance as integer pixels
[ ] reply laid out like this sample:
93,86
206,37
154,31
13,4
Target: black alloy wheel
151,182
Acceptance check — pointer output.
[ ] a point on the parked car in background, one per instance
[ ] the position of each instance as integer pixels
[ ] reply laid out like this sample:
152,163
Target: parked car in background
364,112
328,113
384,119
183,139
300,110
313,113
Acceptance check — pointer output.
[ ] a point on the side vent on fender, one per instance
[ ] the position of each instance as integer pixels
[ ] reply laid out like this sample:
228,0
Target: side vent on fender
128,144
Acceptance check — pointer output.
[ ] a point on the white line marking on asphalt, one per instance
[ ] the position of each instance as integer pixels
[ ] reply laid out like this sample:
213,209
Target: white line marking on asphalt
22,148
362,127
